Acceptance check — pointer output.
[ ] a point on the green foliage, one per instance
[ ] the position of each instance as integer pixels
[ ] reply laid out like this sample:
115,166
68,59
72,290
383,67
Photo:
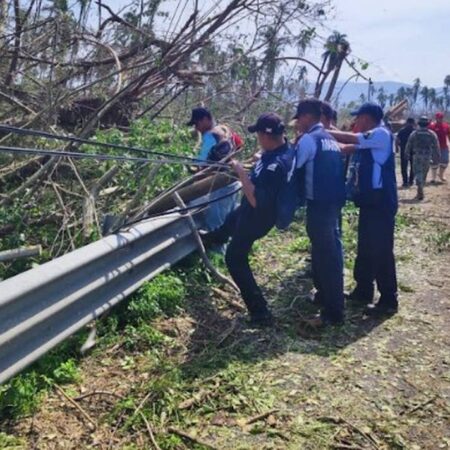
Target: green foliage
440,240
142,336
301,244
162,296
67,372
8,442
21,395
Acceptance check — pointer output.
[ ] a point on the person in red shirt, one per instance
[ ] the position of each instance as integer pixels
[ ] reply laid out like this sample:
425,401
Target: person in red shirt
442,129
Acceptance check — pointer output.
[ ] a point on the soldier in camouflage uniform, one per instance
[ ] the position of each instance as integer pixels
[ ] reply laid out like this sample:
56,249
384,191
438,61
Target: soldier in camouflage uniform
422,147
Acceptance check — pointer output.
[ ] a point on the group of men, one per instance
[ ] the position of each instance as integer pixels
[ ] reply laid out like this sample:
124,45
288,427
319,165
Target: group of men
422,147
315,167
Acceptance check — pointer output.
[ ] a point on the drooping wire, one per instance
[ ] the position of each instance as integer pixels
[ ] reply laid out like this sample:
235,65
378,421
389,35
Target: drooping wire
198,206
44,134
103,157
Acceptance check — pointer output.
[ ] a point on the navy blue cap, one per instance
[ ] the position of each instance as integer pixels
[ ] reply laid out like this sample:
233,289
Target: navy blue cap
197,115
269,123
372,109
328,111
309,106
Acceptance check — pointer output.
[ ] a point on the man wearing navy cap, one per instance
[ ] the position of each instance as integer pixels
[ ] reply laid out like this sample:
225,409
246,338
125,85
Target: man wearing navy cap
257,213
373,188
321,156
329,116
203,121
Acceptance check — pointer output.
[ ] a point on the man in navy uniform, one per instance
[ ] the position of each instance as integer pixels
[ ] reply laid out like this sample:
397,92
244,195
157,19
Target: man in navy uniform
374,190
406,159
329,116
325,193
257,213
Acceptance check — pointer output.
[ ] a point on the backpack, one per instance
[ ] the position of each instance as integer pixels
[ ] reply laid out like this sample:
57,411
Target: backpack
227,141
290,196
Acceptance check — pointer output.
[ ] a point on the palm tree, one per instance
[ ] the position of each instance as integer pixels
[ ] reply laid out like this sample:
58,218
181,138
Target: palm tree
446,97
401,94
425,94
447,81
391,99
416,90
432,96
340,48
337,48
382,97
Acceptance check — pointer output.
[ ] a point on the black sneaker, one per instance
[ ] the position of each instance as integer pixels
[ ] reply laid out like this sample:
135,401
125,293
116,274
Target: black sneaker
358,298
379,310
264,320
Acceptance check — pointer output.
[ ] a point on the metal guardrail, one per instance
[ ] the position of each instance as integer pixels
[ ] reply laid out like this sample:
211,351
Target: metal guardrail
42,307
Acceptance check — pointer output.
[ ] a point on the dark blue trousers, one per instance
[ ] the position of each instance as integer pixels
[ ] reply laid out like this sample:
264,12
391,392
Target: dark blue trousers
244,226
327,258
375,261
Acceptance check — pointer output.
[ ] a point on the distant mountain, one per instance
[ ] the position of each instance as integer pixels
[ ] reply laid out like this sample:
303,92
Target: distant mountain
352,91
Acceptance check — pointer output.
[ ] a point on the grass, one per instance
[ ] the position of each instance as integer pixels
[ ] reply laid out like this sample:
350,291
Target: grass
176,367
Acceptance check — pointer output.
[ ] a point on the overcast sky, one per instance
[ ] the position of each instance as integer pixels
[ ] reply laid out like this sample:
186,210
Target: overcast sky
402,39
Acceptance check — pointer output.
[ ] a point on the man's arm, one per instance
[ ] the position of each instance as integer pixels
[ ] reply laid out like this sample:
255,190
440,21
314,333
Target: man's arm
247,186
306,150
344,137
348,149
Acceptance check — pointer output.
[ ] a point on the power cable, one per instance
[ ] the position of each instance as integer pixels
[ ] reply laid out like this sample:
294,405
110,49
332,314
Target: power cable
44,134
103,157
198,206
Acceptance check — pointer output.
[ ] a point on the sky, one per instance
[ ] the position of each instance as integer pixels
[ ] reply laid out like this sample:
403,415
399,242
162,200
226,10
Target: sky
401,39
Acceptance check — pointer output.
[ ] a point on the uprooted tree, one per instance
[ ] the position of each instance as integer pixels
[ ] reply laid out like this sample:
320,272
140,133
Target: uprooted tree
94,65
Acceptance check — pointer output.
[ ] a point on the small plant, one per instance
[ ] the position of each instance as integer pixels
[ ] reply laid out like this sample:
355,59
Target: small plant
67,372
440,240
142,336
301,244
21,395
8,442
162,296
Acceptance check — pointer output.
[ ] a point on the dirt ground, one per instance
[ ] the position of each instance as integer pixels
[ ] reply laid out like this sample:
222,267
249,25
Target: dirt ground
371,384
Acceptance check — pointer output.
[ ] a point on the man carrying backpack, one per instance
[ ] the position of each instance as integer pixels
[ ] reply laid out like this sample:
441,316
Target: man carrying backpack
218,141
257,213
423,147
320,154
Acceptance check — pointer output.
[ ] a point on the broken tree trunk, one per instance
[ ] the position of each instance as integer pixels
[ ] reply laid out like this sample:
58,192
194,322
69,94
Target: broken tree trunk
21,252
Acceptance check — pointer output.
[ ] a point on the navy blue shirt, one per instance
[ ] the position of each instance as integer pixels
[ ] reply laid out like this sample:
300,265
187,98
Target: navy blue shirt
267,176
403,135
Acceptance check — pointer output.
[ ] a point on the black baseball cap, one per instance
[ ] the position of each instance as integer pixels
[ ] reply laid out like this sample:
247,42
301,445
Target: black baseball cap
309,106
423,121
372,109
269,123
328,111
198,114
